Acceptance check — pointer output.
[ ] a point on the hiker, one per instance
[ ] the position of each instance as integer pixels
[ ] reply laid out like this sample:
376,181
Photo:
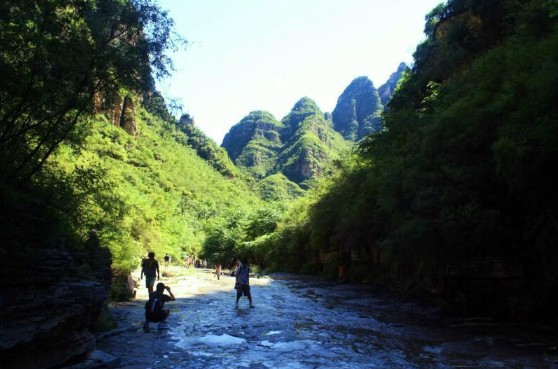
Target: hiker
242,285
167,259
218,271
155,307
150,267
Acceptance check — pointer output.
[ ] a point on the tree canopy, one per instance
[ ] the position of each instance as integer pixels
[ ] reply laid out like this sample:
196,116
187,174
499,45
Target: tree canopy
57,57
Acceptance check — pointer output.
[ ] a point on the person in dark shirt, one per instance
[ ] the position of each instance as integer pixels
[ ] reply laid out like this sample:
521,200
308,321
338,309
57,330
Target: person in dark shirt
242,284
155,311
150,267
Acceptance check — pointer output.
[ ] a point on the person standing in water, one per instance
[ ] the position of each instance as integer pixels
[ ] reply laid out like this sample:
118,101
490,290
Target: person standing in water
242,285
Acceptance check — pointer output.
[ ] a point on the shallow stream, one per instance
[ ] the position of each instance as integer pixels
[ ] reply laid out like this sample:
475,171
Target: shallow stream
302,324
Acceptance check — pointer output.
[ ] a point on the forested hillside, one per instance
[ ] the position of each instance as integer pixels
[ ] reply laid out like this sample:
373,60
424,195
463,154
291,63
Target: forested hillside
150,192
456,198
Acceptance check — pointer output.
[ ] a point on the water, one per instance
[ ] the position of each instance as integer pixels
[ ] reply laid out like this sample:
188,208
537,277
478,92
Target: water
300,324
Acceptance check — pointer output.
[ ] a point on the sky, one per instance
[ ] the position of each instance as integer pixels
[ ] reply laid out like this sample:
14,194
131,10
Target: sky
247,55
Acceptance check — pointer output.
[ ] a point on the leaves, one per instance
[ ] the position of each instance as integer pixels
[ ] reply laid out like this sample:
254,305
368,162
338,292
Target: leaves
57,56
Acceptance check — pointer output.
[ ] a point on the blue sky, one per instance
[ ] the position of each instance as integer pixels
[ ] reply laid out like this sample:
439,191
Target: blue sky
246,55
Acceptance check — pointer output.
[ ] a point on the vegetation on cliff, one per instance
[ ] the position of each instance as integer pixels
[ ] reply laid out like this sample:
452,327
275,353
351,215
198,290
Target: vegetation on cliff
358,109
253,143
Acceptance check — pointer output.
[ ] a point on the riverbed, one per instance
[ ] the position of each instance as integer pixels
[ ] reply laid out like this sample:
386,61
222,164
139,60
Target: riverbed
300,323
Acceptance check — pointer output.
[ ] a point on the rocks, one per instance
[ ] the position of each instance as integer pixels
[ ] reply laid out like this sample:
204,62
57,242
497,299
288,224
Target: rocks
47,311
97,360
357,111
46,328
120,110
310,323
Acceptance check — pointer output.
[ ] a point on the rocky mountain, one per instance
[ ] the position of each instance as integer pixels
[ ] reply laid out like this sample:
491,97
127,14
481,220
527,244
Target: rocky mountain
358,110
311,144
284,156
254,143
386,90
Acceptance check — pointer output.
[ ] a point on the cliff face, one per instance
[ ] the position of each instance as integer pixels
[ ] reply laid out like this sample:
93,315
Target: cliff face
254,143
358,110
386,90
119,109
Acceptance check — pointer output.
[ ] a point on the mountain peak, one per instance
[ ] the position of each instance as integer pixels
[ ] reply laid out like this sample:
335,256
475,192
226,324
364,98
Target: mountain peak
386,90
306,104
357,111
303,108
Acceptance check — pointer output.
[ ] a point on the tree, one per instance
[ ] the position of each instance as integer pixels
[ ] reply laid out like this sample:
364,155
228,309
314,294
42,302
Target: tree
57,57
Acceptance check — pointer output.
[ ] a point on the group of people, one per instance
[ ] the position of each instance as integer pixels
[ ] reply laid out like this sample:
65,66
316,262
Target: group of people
155,311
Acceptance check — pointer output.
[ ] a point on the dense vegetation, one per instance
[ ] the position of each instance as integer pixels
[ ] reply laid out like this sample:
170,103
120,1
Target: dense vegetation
59,62
150,192
456,197
206,148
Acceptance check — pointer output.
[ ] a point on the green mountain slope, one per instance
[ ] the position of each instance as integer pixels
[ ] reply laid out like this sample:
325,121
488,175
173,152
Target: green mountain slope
254,142
164,195
289,154
206,148
311,147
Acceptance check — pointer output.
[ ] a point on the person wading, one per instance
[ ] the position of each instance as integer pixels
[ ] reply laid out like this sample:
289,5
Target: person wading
242,285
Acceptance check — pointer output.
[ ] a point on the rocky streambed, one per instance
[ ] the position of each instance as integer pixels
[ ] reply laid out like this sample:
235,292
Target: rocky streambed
303,324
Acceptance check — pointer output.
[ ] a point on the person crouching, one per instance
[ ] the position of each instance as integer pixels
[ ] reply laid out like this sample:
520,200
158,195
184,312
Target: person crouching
155,307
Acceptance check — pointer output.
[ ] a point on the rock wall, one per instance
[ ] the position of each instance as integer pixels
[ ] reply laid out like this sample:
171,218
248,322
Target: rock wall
356,109
47,310
119,110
